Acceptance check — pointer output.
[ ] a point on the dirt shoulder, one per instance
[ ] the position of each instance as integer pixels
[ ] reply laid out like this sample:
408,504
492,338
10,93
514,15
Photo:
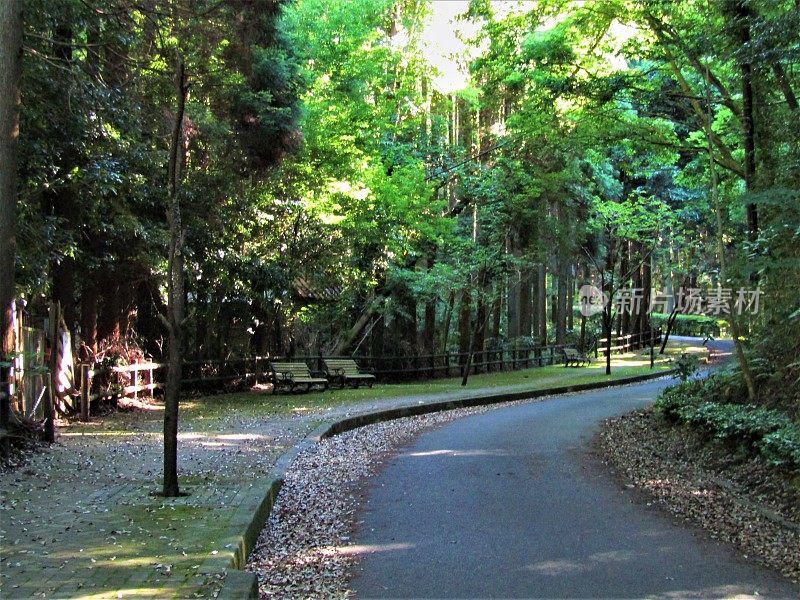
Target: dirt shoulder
741,502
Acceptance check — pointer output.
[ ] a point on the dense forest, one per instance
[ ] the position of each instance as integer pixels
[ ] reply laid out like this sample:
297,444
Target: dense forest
298,179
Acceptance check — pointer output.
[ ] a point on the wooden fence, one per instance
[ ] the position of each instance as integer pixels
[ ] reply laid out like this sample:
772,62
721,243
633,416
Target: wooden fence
632,341
98,383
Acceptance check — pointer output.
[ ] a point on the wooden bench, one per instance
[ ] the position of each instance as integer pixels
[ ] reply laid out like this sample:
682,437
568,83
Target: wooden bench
346,371
293,375
574,358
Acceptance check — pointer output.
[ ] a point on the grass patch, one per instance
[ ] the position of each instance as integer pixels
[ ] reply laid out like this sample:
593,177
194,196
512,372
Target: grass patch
252,403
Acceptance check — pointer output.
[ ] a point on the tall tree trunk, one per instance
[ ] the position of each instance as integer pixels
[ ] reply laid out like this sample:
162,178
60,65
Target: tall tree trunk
429,335
608,287
525,302
448,316
481,313
744,16
513,308
176,298
561,301
61,201
647,284
464,330
541,292
497,318
625,270
89,294
534,308
10,56
570,299
637,324
732,318
584,281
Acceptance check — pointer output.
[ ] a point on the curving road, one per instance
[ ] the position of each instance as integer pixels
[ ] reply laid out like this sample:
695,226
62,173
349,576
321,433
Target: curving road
511,503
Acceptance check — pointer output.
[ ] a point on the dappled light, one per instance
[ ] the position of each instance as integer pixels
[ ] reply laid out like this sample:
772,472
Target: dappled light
229,228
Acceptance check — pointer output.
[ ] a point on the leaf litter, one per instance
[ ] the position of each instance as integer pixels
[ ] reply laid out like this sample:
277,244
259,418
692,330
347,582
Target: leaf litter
739,501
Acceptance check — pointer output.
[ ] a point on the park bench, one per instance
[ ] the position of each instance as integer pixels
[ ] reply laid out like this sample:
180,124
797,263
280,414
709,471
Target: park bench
574,358
294,375
346,371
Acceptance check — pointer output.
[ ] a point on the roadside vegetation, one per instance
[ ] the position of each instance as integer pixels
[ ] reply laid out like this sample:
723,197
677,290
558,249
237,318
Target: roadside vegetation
714,408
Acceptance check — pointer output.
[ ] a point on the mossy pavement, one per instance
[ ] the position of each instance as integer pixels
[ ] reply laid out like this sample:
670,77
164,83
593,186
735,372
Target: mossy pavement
82,520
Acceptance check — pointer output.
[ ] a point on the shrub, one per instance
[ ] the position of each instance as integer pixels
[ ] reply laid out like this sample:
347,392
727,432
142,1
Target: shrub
753,429
673,398
686,366
782,447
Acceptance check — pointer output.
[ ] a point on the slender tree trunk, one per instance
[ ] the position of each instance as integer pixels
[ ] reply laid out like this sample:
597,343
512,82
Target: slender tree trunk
625,269
176,298
512,307
481,313
10,56
464,315
748,123
570,300
607,331
637,324
647,284
732,319
61,200
608,288
542,295
448,316
497,318
514,283
673,316
785,85
561,302
429,336
534,308
525,303
584,281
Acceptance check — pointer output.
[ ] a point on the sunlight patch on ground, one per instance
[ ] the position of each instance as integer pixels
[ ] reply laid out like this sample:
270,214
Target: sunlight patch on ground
486,452
371,548
225,437
555,567
103,433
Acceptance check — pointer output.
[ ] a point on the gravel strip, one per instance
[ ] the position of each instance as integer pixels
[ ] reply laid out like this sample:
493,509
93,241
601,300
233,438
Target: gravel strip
305,549
742,502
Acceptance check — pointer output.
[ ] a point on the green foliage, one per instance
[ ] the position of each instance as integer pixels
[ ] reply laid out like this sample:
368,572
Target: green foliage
318,149
686,365
754,430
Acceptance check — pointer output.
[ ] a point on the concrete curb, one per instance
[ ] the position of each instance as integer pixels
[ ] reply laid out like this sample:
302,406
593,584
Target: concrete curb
252,517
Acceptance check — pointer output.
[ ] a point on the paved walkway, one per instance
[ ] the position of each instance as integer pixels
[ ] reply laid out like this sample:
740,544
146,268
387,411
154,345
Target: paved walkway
81,520
512,504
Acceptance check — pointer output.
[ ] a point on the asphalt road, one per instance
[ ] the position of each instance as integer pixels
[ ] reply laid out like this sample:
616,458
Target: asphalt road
511,503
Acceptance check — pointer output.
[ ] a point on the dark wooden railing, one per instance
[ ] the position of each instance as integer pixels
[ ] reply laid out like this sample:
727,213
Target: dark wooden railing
632,341
135,379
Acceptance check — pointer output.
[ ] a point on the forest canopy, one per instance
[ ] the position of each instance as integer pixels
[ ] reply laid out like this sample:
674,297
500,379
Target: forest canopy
336,198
